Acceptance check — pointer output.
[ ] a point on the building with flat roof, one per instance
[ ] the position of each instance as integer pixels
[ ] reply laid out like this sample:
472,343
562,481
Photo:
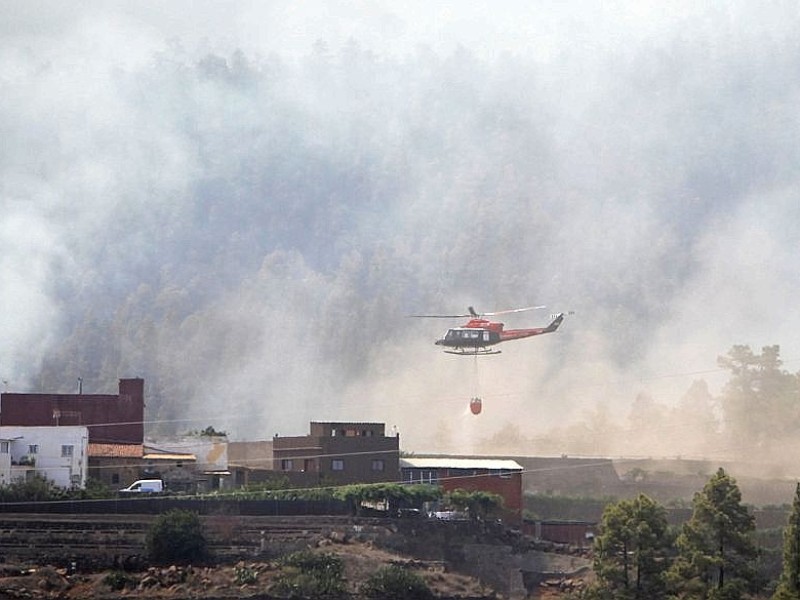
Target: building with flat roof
339,453
110,418
250,462
207,455
499,476
58,454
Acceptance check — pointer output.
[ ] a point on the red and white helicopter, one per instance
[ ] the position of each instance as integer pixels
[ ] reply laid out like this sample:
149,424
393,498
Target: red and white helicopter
478,335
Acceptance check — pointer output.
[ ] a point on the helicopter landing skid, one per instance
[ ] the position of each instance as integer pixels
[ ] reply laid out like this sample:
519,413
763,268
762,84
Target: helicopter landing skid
473,352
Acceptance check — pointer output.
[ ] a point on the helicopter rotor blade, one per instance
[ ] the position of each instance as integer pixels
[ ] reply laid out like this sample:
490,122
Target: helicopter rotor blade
439,316
474,314
513,310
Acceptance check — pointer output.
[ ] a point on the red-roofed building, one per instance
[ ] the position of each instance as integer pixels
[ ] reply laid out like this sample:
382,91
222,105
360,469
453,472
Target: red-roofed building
119,465
115,465
116,451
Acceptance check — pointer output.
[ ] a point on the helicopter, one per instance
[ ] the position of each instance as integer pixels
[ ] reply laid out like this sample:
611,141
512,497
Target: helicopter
478,335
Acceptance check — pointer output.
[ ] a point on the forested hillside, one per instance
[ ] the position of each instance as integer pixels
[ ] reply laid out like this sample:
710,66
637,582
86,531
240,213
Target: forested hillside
246,227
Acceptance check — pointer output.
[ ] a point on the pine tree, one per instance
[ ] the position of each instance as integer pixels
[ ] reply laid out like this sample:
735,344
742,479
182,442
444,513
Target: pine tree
716,550
760,399
789,584
631,553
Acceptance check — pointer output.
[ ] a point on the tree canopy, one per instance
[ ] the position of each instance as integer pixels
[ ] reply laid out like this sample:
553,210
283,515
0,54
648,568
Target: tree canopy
760,401
789,584
716,549
632,551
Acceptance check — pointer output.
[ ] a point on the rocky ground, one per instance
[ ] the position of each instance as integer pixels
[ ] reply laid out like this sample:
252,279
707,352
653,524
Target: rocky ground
240,580
245,579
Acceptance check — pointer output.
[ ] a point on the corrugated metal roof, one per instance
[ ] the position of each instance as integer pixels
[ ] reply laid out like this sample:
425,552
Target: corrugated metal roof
460,463
168,456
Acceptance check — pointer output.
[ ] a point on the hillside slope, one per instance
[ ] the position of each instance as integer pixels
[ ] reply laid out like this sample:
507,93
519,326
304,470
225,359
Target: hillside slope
457,560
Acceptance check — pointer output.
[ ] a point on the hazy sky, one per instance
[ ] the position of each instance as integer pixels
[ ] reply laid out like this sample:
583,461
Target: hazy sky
209,188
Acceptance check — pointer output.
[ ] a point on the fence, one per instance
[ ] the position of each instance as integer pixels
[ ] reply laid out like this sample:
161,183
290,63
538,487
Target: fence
159,504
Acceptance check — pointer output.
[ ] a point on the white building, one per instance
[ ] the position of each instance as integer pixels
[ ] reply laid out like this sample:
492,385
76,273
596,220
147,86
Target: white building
55,453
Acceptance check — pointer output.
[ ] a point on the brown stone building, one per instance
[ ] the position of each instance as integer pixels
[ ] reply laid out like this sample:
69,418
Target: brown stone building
339,453
119,465
110,418
250,462
115,465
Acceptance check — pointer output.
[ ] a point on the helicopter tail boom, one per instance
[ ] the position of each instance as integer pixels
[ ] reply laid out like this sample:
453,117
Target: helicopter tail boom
559,318
518,334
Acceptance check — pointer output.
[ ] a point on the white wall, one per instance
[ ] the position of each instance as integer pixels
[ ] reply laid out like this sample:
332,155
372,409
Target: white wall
5,461
52,458
211,451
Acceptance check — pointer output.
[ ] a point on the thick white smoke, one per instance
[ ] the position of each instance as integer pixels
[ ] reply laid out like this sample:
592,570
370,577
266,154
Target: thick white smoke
241,202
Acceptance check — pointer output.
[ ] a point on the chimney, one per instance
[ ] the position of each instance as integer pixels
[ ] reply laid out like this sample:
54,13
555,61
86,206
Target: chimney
132,388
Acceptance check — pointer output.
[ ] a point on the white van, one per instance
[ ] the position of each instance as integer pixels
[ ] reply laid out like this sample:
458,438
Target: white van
144,486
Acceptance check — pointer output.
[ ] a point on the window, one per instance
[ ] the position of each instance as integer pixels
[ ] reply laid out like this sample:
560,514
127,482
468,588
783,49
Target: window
500,473
337,464
33,448
114,478
66,451
4,447
422,476
377,464
286,464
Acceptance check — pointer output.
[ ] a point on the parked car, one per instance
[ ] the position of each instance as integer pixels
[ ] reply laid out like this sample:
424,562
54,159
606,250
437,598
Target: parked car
144,486
450,515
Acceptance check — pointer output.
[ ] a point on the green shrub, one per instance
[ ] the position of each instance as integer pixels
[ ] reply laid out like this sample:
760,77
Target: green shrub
477,503
244,575
395,583
36,489
308,561
176,537
311,575
94,490
117,580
